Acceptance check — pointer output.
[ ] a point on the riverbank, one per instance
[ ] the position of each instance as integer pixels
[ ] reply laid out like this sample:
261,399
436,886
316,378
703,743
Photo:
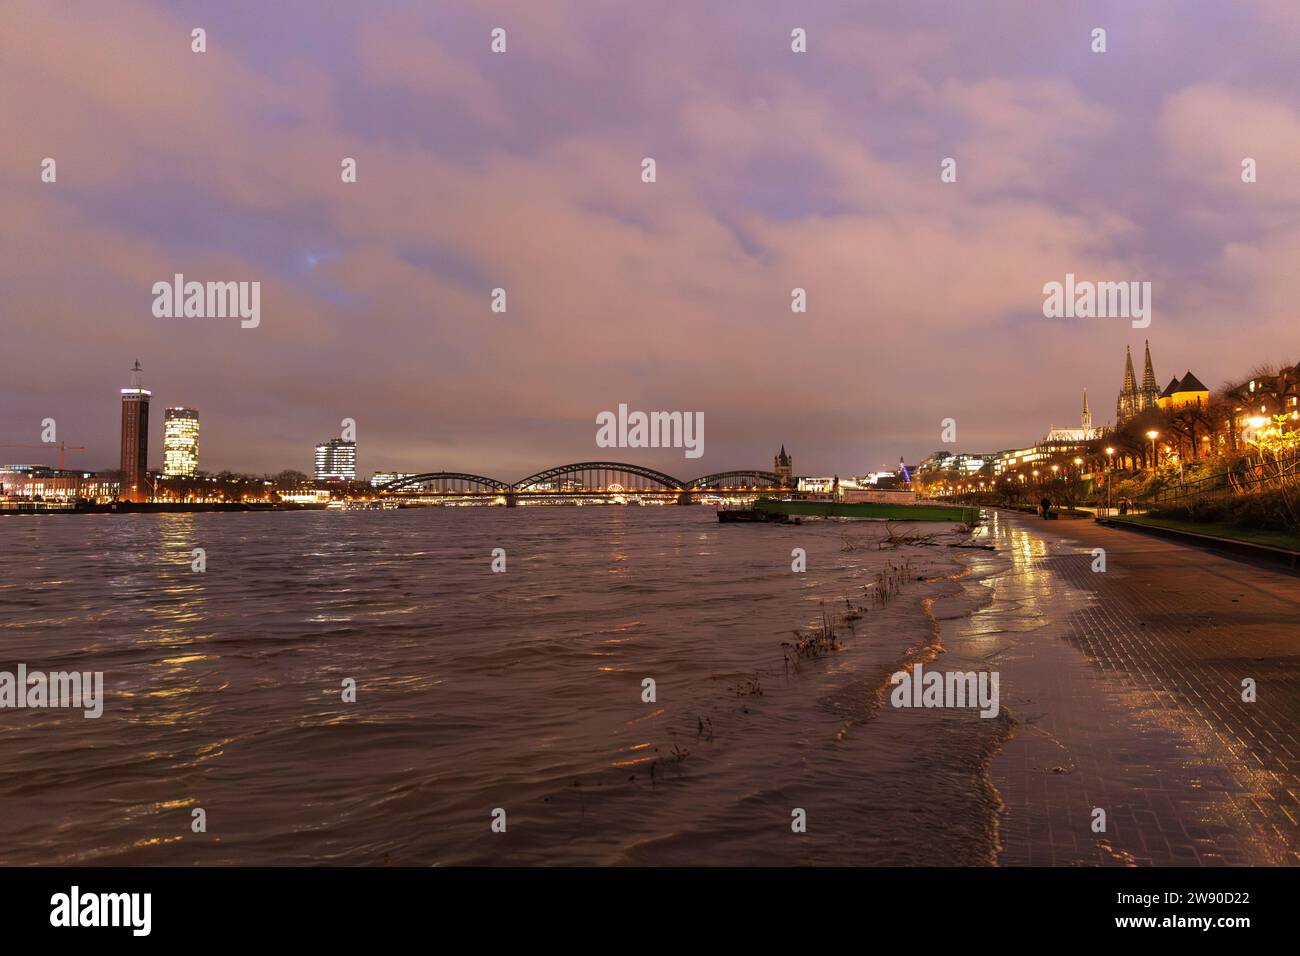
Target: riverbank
1124,689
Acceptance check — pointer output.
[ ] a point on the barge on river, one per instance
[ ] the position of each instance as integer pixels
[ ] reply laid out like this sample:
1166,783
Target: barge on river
788,509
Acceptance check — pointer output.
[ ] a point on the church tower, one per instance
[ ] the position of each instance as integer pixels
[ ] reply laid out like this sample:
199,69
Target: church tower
783,465
1085,420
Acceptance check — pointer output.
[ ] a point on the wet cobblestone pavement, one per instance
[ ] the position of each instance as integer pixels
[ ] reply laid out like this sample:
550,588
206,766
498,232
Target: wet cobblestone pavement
1126,689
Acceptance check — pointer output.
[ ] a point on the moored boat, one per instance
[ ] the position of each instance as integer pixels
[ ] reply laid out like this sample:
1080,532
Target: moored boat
918,511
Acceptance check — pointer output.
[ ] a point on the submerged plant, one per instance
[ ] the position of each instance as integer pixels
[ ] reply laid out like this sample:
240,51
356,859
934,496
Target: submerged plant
814,642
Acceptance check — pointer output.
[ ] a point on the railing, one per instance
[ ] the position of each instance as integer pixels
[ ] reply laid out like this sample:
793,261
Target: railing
1242,478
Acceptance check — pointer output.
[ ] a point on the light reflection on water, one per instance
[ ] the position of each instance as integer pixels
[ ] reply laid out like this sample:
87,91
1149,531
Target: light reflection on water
474,690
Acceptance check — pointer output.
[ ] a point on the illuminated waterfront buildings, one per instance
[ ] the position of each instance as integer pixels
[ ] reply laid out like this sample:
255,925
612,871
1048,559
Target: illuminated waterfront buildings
180,442
336,459
1180,393
43,482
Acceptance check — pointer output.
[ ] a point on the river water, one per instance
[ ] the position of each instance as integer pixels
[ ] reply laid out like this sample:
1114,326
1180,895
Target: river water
476,692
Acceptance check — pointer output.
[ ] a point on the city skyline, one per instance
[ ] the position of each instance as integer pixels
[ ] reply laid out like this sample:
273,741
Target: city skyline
190,440
473,173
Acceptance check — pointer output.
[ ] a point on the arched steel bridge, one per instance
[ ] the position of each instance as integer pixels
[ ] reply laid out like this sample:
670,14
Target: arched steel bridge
583,479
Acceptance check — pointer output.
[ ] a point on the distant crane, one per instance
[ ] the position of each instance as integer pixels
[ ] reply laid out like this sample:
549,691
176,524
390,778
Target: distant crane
63,447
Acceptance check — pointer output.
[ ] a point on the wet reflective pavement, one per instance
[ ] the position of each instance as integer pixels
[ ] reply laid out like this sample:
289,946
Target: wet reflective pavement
1126,690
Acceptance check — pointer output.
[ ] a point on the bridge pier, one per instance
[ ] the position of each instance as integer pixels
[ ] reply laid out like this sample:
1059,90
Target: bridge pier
686,498
512,501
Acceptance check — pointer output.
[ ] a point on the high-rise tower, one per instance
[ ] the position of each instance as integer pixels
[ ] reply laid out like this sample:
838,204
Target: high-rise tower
180,442
336,459
135,438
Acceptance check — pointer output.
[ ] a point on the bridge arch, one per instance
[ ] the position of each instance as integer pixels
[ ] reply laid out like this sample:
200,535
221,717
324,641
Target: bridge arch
460,479
592,468
736,479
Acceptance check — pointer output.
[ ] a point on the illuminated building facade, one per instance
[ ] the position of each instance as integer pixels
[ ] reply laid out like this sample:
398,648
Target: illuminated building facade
336,459
1185,391
135,438
180,442
41,481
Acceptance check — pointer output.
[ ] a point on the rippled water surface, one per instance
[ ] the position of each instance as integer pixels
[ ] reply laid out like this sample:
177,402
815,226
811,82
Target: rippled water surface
475,691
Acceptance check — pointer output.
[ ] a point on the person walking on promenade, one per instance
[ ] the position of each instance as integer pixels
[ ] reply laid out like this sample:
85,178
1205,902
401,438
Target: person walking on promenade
1045,505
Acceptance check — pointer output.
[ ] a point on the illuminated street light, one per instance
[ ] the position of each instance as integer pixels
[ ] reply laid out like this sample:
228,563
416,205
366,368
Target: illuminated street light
1153,435
1110,458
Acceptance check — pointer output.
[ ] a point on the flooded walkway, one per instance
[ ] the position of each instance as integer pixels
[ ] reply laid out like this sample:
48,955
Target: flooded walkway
1126,686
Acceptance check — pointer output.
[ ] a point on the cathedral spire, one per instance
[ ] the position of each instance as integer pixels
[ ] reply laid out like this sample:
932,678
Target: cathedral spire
1085,421
1149,376
1126,406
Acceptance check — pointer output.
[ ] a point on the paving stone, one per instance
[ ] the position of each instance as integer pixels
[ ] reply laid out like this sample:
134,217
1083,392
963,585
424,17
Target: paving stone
1133,686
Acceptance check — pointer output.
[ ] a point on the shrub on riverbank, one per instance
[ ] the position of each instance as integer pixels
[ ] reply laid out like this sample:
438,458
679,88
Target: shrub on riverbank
1273,509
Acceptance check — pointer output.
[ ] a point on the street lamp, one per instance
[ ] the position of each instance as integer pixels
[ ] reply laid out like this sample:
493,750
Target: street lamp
1153,435
1110,461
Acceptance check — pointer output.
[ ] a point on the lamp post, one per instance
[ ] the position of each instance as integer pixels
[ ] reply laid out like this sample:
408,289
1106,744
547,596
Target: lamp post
1110,468
1153,435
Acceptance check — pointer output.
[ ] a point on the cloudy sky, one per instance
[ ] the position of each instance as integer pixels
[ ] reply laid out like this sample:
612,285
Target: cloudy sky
522,170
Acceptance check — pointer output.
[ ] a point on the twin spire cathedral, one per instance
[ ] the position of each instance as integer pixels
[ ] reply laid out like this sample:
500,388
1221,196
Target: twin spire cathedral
1133,400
